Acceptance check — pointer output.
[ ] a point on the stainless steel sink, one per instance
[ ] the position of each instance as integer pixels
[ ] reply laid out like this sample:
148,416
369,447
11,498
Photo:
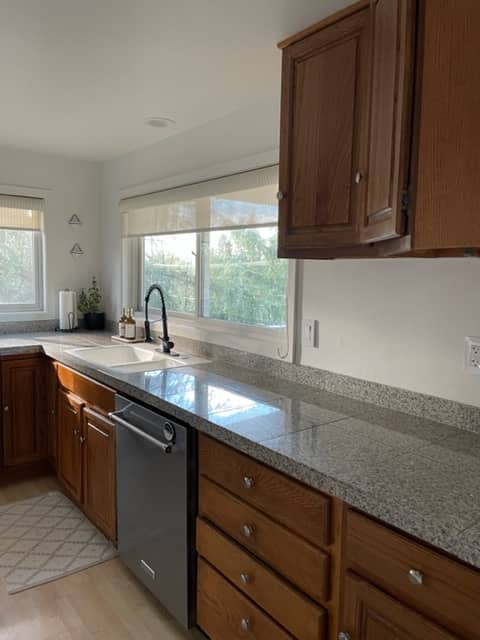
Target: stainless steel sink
127,357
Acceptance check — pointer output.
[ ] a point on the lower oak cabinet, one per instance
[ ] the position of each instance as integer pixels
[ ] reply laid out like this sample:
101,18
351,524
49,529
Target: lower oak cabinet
24,415
268,551
86,458
99,476
371,614
394,582
266,571
69,443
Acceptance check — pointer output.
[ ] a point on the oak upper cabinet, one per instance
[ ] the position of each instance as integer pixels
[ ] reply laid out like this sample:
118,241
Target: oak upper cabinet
23,410
99,478
371,614
69,443
346,103
323,137
380,132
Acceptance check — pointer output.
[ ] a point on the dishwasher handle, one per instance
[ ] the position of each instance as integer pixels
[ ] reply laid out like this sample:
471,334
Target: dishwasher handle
116,416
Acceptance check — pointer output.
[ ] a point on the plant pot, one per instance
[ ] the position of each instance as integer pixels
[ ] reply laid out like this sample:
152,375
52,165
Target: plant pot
94,321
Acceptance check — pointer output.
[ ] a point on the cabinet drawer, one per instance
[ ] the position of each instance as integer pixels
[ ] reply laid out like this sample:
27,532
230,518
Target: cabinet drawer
445,590
224,613
298,507
296,613
290,555
93,393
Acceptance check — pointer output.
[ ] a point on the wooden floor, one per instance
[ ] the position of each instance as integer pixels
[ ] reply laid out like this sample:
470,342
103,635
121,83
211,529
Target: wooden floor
102,603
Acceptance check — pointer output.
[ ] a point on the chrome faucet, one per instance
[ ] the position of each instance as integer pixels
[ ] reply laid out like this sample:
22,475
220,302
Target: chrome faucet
166,342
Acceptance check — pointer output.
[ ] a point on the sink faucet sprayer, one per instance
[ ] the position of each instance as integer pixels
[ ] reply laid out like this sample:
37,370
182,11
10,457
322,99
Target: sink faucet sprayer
166,342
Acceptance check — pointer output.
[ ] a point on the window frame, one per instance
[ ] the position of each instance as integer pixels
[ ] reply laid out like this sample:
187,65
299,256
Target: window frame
38,264
198,318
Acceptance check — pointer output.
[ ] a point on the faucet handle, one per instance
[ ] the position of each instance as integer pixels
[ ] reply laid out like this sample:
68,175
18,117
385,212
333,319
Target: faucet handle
168,346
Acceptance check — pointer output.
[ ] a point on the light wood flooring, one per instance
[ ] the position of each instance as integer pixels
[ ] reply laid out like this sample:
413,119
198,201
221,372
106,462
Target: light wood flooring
102,603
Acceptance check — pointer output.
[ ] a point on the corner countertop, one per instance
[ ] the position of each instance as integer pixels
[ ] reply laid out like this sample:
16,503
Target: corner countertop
420,476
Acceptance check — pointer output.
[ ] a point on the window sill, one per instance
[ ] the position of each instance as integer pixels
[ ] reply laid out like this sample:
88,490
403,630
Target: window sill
263,341
24,316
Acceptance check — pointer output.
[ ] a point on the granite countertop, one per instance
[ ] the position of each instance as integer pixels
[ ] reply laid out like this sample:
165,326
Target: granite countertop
413,473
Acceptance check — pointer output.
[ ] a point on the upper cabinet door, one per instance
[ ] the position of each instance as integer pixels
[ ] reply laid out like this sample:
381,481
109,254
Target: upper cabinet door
323,137
345,131
392,57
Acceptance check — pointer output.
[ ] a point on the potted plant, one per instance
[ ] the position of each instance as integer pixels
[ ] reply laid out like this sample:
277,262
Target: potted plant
89,303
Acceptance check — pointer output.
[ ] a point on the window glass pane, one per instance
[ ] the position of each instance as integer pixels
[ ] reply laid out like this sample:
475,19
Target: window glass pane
244,281
17,271
170,262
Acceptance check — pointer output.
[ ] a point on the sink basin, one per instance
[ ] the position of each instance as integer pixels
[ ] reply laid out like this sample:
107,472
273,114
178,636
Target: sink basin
132,357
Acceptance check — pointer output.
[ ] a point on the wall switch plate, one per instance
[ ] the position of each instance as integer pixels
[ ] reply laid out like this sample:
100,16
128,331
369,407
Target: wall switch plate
310,333
472,355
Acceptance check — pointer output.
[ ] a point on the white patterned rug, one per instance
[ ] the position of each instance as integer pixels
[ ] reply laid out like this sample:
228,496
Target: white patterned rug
46,538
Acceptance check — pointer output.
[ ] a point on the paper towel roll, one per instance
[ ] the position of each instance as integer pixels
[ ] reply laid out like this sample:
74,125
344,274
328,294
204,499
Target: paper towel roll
67,309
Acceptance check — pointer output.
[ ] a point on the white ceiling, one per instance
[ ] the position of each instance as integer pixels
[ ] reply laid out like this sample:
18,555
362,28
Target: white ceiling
79,77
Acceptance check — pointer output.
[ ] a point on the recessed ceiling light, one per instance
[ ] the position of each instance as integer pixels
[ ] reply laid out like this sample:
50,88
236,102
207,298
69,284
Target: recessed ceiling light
160,122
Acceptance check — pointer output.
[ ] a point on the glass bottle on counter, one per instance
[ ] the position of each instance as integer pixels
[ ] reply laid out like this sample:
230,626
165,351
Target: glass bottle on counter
121,324
130,326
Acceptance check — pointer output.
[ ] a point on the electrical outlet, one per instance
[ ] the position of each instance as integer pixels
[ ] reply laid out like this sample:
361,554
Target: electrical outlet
310,333
472,355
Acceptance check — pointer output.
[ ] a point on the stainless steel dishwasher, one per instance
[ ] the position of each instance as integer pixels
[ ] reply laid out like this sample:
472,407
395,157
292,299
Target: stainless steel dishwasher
156,478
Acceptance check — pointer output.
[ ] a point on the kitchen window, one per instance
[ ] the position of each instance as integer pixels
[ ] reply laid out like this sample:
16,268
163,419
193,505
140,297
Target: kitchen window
21,249
212,247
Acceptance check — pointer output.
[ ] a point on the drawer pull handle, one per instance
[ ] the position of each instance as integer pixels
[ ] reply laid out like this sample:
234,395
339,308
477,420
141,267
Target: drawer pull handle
5,408
245,578
415,577
248,482
245,624
248,530
343,635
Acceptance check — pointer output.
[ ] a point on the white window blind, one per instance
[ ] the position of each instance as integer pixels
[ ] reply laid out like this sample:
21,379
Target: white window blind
242,200
21,213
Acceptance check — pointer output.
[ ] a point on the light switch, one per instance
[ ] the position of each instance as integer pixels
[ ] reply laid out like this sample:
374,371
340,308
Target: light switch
310,333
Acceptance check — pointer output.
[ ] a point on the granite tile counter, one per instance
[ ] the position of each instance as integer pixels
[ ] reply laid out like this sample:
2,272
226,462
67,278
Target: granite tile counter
413,473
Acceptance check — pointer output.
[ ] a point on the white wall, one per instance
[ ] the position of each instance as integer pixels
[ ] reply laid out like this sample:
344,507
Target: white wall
69,186
401,322
398,322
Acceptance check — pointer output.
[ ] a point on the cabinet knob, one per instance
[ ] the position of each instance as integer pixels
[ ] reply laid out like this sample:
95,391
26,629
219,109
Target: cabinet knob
245,624
358,177
76,432
248,530
280,195
82,439
248,482
343,635
415,576
245,578
5,408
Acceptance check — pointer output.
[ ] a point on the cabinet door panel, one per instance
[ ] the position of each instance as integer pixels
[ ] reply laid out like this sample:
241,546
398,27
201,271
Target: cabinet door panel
99,472
24,416
324,118
370,614
69,448
51,406
392,49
